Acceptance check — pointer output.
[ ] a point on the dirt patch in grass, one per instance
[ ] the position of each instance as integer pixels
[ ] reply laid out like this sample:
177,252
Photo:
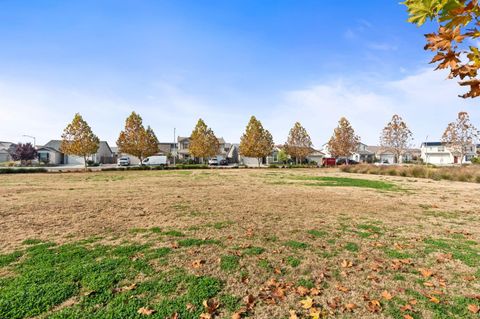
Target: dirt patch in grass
96,239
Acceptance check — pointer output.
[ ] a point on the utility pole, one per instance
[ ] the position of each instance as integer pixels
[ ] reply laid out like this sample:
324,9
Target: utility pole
174,146
34,139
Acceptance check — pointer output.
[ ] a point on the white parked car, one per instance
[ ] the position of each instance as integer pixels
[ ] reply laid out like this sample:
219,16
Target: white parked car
123,161
213,161
155,160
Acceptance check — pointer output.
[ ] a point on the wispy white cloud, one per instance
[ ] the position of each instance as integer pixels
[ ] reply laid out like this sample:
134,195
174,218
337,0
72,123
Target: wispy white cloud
426,100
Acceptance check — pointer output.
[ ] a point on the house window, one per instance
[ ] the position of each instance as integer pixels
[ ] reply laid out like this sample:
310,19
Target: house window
43,157
441,149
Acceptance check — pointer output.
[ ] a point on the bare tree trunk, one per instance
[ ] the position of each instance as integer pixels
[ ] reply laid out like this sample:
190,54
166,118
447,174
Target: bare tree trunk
85,161
258,160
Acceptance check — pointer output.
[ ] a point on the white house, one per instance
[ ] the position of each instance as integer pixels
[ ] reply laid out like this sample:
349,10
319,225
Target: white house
5,149
362,153
388,157
438,153
50,153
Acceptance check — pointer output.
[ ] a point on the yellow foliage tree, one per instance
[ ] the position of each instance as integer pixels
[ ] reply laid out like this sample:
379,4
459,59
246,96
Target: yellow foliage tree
203,142
256,141
78,139
136,140
343,142
299,144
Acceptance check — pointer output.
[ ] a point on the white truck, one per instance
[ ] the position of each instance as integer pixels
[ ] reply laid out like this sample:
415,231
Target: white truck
155,160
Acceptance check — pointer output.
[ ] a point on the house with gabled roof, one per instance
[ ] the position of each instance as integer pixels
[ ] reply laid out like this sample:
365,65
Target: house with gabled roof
183,151
50,153
6,148
438,153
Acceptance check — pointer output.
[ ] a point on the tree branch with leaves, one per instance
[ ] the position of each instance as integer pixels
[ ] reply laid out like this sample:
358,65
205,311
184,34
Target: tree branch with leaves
458,23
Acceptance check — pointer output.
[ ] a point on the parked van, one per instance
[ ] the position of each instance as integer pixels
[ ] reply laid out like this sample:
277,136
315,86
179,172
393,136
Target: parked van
155,160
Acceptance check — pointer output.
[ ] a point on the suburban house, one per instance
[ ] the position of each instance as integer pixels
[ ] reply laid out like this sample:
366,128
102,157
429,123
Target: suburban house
183,152
6,148
438,153
253,161
50,153
386,156
362,154
316,156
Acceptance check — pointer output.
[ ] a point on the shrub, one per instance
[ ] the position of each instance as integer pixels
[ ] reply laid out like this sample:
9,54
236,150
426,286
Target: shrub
22,170
469,173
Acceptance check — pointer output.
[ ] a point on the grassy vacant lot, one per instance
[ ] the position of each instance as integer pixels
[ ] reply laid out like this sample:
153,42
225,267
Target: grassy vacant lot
242,243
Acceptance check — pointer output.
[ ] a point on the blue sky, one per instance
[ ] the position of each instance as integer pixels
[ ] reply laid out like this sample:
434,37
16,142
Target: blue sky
176,61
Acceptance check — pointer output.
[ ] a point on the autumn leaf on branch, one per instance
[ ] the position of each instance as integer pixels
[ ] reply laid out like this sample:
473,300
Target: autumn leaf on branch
458,23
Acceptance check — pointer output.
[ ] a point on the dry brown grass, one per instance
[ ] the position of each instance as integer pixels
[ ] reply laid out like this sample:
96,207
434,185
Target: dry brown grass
386,235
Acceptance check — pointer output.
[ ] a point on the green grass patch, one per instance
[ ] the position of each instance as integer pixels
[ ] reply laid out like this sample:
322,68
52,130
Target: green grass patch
230,302
296,244
7,259
351,247
467,252
317,233
253,251
347,182
307,283
293,261
197,242
265,264
229,262
47,275
395,254
31,241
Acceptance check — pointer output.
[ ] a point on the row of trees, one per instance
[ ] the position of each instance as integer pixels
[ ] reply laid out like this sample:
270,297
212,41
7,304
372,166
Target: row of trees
257,142
78,139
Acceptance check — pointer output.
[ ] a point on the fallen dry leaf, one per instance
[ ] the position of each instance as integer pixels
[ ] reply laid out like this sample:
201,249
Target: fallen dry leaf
407,307
350,307
407,317
473,308
211,305
386,295
198,263
146,311
293,314
302,291
374,306
434,299
342,288
346,263
307,303
426,273
314,291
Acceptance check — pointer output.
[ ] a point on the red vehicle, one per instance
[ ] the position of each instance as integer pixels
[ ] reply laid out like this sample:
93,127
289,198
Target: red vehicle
329,162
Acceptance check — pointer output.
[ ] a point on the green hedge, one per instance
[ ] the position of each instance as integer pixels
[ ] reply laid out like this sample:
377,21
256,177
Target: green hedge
155,168
22,170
